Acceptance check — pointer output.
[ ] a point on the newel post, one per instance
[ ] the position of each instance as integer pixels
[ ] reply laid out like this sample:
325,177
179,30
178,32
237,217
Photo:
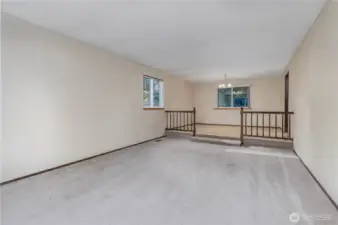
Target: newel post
194,131
242,139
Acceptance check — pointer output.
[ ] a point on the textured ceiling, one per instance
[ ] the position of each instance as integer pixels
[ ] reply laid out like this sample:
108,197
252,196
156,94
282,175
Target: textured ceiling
202,40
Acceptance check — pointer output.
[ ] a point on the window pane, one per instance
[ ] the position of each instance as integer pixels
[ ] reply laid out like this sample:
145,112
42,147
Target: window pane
146,91
156,95
224,97
241,96
152,92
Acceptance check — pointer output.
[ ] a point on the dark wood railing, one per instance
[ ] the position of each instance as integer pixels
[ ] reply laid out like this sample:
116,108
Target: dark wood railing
182,120
266,124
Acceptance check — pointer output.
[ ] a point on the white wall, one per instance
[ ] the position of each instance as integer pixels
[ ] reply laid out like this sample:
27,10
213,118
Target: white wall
64,100
178,94
313,90
267,94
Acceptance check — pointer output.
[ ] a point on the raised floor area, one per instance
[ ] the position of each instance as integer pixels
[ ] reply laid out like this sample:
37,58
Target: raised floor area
234,131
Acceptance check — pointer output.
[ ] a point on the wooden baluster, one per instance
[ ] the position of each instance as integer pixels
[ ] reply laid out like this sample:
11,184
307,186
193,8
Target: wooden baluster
269,125
257,124
263,124
276,124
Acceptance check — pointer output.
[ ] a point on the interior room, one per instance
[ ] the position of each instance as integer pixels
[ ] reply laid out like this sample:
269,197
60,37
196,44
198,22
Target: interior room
169,112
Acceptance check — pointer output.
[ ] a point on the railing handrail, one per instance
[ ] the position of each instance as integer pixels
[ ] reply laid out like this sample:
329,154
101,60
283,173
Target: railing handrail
178,119
275,120
179,111
266,112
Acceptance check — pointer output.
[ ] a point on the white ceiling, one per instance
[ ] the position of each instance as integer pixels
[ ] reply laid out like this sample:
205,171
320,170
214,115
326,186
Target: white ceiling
202,39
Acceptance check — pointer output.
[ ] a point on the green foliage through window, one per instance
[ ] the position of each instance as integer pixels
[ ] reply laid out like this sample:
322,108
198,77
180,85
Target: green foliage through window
152,92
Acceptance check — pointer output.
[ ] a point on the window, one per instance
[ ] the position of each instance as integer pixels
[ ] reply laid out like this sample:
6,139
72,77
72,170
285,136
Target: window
234,97
152,92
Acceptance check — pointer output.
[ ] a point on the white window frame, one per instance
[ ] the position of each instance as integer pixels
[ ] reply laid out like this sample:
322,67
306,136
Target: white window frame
161,105
232,97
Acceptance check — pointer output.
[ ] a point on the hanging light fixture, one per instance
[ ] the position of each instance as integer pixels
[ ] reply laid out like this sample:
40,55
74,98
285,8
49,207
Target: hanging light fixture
223,85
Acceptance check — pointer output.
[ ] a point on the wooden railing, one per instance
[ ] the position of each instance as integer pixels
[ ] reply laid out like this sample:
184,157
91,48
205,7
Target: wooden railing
183,120
266,124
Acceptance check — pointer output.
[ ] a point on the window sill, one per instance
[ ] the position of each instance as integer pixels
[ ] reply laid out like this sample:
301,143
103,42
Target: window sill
230,108
154,108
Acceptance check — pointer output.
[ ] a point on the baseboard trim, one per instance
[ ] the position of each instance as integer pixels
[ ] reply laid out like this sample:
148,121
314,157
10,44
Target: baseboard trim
219,124
74,162
232,125
216,136
319,184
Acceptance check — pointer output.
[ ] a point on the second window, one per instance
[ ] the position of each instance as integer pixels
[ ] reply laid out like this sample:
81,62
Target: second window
233,97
